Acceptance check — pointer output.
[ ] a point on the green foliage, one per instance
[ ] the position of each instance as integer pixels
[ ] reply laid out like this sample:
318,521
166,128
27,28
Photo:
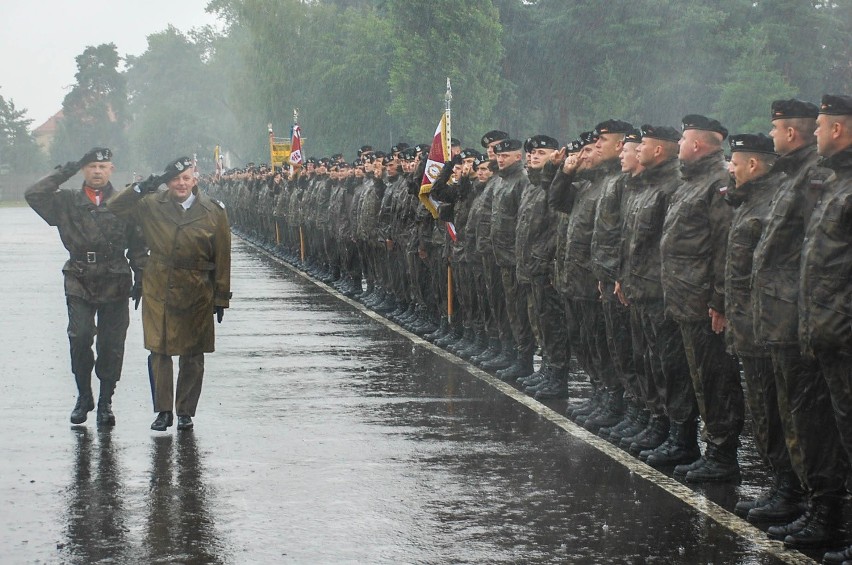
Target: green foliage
374,71
19,152
438,39
175,101
94,112
753,83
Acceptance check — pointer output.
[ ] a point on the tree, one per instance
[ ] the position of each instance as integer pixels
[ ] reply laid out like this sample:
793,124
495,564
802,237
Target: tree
19,152
175,100
94,112
445,38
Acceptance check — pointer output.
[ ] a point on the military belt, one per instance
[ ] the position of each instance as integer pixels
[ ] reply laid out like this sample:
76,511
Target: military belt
188,265
95,257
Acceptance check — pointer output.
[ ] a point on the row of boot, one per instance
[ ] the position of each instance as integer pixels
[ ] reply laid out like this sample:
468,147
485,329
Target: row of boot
653,438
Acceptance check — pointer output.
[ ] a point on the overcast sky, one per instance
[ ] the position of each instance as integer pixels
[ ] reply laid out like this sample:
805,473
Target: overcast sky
40,38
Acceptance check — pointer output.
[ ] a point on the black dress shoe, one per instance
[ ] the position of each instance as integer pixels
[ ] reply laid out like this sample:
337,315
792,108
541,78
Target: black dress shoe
184,422
164,420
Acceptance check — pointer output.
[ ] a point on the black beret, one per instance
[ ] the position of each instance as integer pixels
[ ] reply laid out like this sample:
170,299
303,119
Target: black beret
399,148
422,148
96,154
175,168
337,157
508,145
408,153
365,149
341,165
633,136
311,160
613,126
324,161
793,108
454,142
663,133
697,121
467,153
752,143
379,154
540,142
492,136
573,146
587,138
836,105
479,160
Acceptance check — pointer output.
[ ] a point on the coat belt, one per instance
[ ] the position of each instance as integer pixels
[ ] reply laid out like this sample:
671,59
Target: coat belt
188,265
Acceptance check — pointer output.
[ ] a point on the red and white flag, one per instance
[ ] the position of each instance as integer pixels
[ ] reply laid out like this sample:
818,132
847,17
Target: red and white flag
435,162
296,146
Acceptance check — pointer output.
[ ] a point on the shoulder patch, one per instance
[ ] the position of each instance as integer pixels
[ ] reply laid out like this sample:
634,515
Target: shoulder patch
218,203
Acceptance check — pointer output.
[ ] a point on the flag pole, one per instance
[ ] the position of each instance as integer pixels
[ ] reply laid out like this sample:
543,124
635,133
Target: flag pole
271,141
448,151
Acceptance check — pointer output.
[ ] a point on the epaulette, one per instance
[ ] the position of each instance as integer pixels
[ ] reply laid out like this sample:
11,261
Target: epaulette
218,203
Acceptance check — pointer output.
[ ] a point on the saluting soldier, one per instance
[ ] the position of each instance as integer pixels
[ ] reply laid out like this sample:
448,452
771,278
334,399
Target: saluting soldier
97,275
186,283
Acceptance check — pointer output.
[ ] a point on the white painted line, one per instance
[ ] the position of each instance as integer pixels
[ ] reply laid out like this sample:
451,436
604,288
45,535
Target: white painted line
689,497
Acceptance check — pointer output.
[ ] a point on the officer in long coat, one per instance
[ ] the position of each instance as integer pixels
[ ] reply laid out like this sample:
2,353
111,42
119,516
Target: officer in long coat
187,280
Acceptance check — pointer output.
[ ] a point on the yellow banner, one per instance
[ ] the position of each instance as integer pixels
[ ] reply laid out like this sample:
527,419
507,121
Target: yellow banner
280,153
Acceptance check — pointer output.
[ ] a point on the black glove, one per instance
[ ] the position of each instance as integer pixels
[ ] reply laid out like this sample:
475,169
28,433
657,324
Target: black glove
136,293
220,313
151,184
68,170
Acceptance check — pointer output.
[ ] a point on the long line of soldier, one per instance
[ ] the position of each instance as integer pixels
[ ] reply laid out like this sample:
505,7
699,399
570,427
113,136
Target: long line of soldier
685,286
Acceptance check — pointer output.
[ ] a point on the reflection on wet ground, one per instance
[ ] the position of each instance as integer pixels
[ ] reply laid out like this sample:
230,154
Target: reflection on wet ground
322,436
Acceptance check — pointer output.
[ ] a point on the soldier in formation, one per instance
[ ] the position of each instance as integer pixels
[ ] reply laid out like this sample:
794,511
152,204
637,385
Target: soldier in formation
682,286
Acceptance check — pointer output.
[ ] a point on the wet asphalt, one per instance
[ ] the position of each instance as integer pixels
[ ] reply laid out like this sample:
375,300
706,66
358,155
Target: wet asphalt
325,434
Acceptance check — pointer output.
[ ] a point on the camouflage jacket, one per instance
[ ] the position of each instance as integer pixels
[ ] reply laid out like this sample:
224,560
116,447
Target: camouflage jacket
695,234
825,294
777,258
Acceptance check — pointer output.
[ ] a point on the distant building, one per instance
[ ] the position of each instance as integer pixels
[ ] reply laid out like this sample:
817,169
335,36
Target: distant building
45,133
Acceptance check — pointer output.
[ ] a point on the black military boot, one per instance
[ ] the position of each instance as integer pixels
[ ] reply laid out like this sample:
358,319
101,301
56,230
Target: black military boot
443,328
838,557
611,415
743,507
522,367
683,446
479,345
464,341
680,471
555,387
85,402
786,502
636,425
630,412
105,416
493,350
587,406
652,436
506,358
453,336
823,527
720,465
